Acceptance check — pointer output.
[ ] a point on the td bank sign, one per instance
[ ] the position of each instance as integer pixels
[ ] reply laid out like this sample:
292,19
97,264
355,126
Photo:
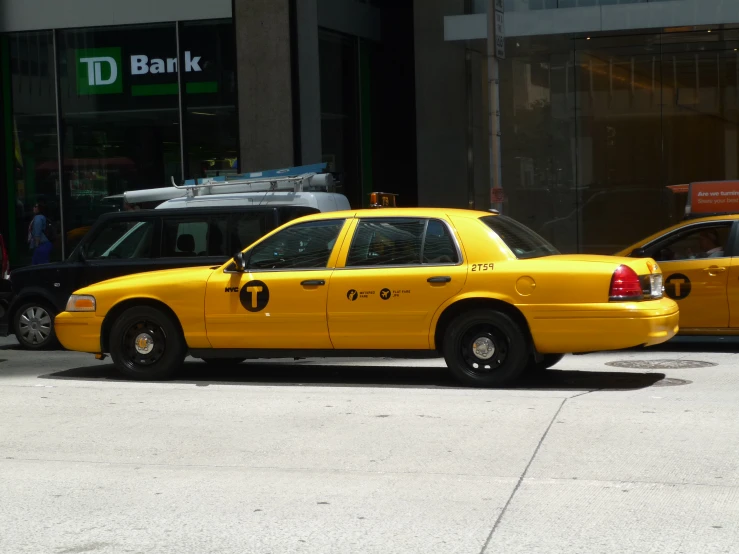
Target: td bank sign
100,71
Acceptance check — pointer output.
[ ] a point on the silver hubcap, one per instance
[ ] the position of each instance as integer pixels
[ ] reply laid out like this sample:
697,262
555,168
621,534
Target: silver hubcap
144,343
483,348
34,325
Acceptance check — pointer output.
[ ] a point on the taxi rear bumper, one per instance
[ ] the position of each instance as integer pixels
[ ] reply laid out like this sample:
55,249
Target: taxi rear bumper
558,329
79,331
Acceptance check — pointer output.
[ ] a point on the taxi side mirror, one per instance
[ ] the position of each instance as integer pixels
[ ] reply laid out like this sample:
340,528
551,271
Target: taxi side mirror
638,253
240,261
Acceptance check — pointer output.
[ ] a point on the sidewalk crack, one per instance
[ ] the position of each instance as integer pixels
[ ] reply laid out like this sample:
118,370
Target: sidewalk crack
526,469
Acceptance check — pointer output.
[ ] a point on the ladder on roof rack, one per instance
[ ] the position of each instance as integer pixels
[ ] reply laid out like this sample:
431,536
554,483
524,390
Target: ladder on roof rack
322,182
307,178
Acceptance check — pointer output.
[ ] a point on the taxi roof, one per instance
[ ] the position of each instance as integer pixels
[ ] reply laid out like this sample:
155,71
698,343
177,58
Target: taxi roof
684,223
399,212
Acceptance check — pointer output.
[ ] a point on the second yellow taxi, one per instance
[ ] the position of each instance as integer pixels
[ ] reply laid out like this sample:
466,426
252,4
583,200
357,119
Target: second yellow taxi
698,257
485,292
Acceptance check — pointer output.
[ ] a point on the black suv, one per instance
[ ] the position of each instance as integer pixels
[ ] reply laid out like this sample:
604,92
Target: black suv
129,242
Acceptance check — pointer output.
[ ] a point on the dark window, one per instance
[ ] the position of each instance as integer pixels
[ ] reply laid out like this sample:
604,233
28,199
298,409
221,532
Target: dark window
246,228
301,246
438,244
387,242
703,242
288,213
521,240
193,237
121,240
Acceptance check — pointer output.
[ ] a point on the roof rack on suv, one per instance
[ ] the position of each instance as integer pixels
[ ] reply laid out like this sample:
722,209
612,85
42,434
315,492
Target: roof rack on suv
294,179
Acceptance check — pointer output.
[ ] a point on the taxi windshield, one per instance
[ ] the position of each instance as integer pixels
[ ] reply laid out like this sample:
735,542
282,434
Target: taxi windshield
522,241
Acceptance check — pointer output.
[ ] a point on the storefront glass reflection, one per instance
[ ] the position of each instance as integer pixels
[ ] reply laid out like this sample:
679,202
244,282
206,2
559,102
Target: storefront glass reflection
119,111
211,122
120,119
594,131
34,155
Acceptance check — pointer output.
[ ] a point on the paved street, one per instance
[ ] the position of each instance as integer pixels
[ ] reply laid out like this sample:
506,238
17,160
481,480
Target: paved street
371,456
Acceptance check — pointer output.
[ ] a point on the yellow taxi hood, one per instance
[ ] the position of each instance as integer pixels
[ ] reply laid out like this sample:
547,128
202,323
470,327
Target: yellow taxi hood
142,281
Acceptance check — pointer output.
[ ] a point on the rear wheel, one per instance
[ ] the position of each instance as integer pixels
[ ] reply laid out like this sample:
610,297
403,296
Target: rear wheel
485,348
34,325
547,361
145,343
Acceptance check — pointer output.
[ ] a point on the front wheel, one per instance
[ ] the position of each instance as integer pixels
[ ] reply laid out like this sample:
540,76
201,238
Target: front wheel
145,343
485,348
34,326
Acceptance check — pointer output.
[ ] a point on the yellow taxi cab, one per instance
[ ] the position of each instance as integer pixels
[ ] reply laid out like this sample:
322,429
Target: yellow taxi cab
480,289
698,257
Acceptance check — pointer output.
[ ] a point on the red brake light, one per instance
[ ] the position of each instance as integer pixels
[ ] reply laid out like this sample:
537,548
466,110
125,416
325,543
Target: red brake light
625,285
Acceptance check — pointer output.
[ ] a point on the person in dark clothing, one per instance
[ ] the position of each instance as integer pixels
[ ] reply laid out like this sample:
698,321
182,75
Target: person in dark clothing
38,242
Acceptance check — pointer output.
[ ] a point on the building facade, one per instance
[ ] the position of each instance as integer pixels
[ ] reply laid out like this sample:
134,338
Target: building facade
603,104
94,104
606,103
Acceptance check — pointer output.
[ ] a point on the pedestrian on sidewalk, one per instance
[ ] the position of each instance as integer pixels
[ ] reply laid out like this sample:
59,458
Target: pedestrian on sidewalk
38,242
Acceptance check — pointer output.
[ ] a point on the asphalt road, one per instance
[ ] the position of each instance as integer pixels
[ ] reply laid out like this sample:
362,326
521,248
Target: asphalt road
371,456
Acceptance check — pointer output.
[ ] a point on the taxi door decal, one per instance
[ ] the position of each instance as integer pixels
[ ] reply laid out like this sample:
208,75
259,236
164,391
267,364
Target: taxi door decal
678,286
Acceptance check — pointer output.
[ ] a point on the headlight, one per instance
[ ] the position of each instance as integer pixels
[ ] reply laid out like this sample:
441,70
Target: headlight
80,303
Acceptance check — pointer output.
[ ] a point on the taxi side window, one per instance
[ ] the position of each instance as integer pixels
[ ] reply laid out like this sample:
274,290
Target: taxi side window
387,242
395,241
438,245
301,246
703,242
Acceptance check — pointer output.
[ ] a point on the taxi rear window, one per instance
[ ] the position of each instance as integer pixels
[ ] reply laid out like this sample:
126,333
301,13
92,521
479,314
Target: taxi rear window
522,241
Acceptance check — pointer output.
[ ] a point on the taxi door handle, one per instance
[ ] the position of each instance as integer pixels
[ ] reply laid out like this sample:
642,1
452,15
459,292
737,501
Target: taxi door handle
439,279
313,283
715,269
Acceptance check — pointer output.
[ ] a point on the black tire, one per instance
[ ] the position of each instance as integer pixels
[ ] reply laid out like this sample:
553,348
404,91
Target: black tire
547,361
216,362
33,324
160,335
509,355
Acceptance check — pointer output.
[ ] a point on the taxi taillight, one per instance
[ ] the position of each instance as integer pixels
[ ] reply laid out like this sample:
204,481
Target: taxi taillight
625,285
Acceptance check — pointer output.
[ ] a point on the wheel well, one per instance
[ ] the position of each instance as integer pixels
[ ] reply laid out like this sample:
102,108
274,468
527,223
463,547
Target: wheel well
118,309
462,306
34,297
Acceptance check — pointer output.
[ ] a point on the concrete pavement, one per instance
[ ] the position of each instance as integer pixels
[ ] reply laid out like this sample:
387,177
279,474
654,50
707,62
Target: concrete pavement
370,456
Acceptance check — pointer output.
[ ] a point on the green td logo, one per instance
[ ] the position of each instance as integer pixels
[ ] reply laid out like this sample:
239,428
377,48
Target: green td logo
99,71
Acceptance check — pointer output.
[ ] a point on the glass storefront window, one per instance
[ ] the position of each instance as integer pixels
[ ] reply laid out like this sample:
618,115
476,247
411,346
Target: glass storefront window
33,118
211,122
339,74
120,115
537,93
114,94
594,131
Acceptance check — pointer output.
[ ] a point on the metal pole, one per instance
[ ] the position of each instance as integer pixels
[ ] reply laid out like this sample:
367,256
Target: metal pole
59,140
180,107
494,106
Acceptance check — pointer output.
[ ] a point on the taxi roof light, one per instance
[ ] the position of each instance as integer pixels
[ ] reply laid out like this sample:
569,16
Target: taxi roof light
625,285
383,200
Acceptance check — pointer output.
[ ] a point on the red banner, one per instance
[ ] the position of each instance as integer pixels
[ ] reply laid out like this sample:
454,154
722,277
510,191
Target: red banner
714,197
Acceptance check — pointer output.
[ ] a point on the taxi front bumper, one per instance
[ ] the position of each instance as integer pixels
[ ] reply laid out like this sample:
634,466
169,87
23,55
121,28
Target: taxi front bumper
558,329
79,331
